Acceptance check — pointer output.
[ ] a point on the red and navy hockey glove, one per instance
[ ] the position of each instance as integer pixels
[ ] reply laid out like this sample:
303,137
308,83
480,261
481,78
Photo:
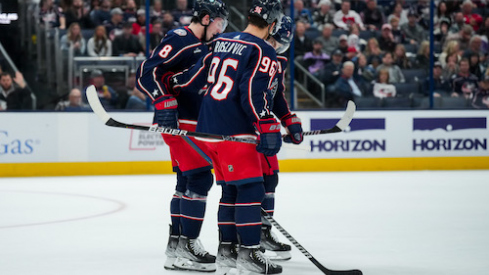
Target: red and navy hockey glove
168,82
294,129
270,137
166,114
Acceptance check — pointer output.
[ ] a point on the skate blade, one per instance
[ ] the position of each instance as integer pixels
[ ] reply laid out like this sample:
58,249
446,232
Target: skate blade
278,255
226,270
169,263
186,264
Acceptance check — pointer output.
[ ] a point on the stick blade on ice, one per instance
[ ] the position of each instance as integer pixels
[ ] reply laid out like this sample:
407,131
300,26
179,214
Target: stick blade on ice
96,105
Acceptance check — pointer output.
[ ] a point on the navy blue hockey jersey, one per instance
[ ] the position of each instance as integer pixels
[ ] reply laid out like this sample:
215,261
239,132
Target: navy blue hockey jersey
179,50
280,105
240,74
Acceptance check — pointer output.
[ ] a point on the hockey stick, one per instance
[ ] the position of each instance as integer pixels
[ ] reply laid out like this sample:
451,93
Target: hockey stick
305,252
99,110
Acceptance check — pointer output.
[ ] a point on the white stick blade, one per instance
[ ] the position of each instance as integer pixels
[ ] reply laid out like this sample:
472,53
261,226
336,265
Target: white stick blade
96,105
348,116
304,146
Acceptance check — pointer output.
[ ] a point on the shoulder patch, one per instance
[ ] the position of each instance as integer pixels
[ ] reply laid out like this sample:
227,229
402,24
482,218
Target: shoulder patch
180,32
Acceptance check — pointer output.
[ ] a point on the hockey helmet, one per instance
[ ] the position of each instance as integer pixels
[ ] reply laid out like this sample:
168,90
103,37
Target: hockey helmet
214,8
269,10
284,34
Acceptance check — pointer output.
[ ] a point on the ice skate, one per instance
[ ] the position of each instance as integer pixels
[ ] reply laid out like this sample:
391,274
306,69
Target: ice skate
251,261
278,251
227,255
170,252
191,255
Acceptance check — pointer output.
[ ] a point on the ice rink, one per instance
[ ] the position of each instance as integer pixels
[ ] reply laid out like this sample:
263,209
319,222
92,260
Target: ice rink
384,223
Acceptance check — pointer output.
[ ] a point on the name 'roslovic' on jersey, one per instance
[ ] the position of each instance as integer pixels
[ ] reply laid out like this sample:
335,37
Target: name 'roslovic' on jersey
179,50
241,70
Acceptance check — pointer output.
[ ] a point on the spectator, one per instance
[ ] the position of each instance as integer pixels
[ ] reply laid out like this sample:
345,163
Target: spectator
330,42
182,14
400,13
453,6
351,54
413,32
324,15
382,87
354,41
372,49
130,12
475,67
484,30
470,18
396,30
463,36
373,17
139,27
363,71
168,22
356,5
126,44
113,27
107,95
332,69
347,87
441,84
135,99
451,48
459,23
302,14
441,31
156,11
395,73
73,104
343,46
73,38
481,96
422,9
442,14
156,35
103,14
316,59
475,46
464,83
354,38
345,17
14,96
51,15
302,44
79,13
451,66
99,44
423,56
400,57
386,39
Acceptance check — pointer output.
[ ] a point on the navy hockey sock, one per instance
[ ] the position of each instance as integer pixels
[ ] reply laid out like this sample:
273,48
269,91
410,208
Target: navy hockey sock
225,215
175,202
248,212
270,183
193,204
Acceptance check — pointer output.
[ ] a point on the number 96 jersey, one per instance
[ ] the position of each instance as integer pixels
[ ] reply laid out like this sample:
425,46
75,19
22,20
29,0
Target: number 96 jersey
240,73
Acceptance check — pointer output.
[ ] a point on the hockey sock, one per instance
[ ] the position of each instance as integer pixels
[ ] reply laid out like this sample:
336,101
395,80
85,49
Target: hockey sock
193,203
225,215
248,212
270,183
175,203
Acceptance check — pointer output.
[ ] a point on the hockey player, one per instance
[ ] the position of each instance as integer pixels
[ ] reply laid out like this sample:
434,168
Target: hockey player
281,42
180,49
238,102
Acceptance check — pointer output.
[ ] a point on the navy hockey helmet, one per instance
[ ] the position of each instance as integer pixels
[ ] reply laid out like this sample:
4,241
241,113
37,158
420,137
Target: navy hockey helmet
269,10
214,8
284,34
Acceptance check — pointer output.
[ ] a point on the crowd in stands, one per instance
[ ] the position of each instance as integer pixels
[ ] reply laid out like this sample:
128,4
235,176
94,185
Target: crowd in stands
379,48
357,48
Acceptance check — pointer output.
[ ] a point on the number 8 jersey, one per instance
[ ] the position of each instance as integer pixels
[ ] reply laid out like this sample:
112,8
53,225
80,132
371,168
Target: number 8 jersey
240,74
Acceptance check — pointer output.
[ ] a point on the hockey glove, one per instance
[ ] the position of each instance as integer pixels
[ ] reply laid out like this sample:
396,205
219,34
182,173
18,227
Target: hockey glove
166,114
270,137
168,82
294,129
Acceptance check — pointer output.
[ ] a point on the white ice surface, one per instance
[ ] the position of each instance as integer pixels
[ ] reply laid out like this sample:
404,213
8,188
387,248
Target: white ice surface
409,223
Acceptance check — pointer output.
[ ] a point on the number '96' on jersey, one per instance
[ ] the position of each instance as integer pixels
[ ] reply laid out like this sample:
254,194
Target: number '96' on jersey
240,72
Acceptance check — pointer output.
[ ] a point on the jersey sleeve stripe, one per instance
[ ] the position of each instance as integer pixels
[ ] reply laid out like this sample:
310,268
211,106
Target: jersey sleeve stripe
180,51
195,75
156,81
250,97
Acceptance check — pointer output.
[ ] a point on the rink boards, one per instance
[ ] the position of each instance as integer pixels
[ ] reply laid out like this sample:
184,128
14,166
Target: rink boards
37,144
